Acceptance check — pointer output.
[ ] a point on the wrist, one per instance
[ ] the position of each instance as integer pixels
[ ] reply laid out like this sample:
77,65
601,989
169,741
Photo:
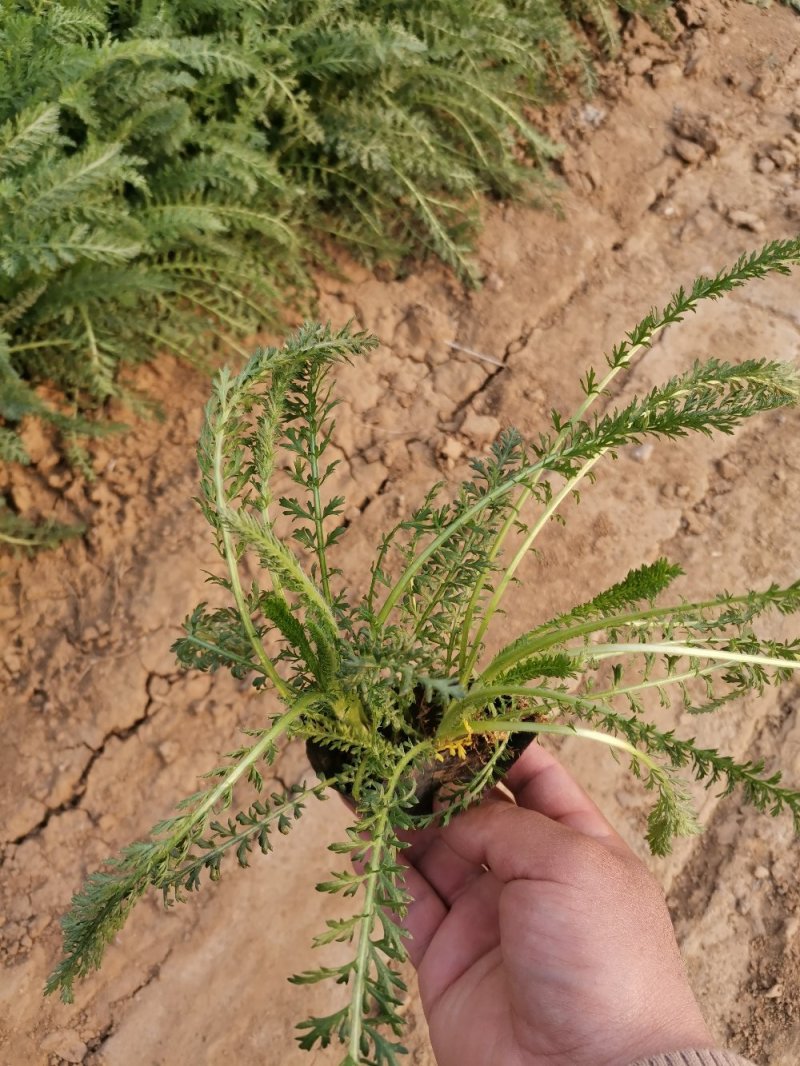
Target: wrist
656,1046
694,1057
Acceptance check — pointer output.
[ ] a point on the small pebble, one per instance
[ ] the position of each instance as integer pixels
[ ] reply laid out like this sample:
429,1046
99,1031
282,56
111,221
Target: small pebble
594,116
765,165
695,523
452,448
158,688
689,151
639,65
780,158
666,73
746,220
38,925
728,470
761,873
480,428
12,662
169,750
775,992
642,452
764,86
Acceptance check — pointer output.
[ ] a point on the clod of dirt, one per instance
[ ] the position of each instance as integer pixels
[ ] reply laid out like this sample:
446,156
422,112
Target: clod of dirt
480,429
689,152
793,204
764,85
747,220
451,448
639,65
422,330
701,129
66,1044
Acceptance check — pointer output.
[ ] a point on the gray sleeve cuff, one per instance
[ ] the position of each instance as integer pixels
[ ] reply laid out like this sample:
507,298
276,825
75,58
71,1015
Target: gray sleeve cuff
694,1058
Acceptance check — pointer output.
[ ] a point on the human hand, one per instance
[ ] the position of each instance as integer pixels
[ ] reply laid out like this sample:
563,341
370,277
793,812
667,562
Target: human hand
540,939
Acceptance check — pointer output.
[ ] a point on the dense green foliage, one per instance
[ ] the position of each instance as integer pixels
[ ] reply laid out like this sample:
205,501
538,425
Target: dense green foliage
169,169
394,694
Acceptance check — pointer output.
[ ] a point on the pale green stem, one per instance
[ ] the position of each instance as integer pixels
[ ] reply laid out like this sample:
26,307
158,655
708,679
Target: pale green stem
233,569
500,726
233,774
658,682
485,696
478,588
419,561
54,343
541,641
525,495
94,352
608,651
454,716
313,459
229,655
31,542
371,880
521,553
453,720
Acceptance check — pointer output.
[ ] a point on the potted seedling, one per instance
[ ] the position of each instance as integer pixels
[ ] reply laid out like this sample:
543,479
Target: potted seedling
395,695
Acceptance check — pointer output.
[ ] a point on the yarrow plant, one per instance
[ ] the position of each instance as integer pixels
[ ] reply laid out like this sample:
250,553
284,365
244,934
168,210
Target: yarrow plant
395,695
169,171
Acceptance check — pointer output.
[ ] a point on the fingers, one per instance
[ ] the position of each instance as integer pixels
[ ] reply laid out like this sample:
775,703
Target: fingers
448,873
540,783
426,912
515,844
543,837
554,832
469,934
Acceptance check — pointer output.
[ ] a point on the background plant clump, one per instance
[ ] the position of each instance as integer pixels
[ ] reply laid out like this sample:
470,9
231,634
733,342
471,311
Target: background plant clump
168,171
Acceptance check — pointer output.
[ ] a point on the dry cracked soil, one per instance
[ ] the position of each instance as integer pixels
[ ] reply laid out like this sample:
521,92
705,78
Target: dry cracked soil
688,156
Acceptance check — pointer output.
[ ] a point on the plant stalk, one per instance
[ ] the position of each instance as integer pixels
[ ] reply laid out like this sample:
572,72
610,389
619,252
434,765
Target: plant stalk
236,586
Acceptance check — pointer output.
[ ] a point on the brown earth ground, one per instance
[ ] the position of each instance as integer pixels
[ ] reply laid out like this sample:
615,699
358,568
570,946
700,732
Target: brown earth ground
689,155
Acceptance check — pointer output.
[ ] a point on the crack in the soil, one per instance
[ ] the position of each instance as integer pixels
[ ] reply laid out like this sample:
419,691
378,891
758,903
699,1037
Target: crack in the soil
520,341
95,1045
792,317
361,507
79,790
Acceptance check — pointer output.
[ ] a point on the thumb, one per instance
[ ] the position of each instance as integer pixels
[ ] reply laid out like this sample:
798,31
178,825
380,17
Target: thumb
518,844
